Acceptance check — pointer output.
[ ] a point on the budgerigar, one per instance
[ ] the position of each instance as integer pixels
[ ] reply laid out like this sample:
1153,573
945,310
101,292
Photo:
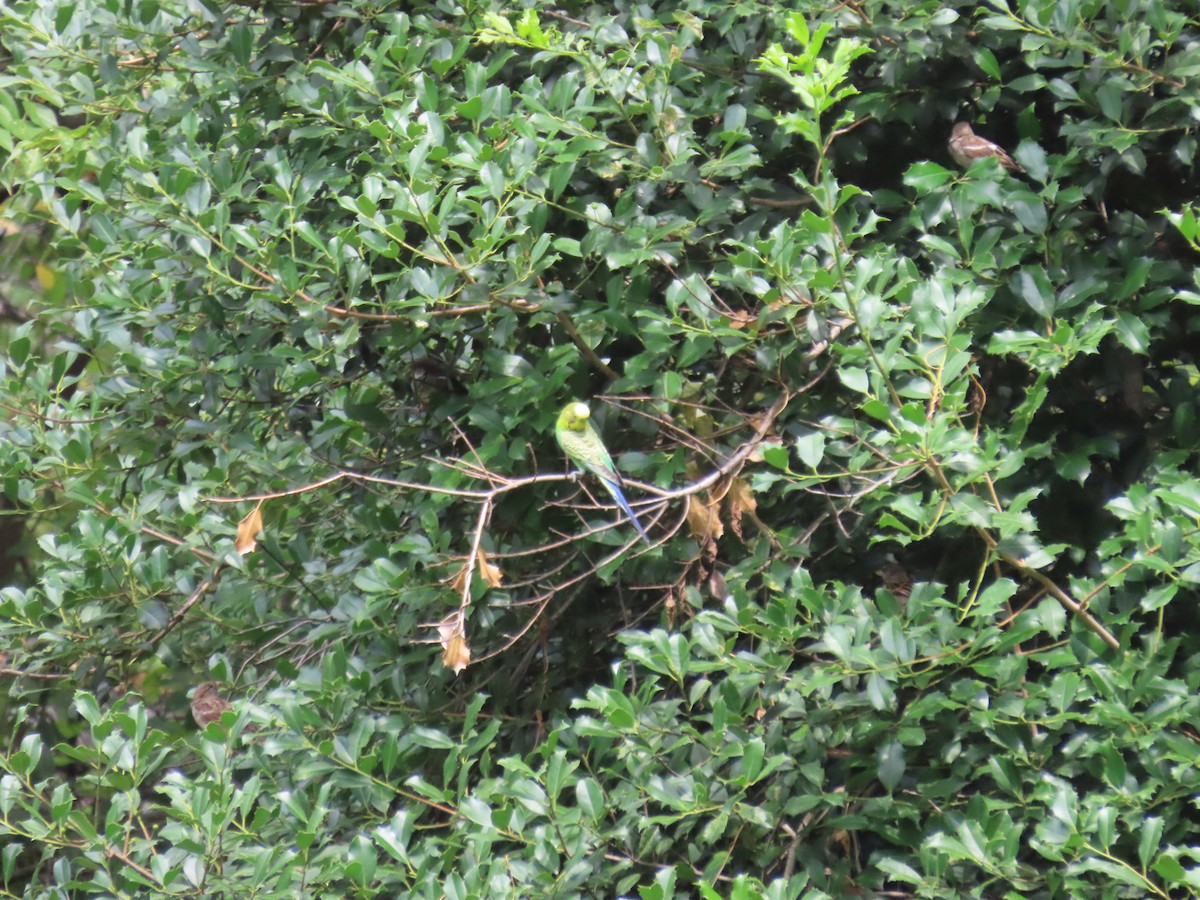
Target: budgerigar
583,446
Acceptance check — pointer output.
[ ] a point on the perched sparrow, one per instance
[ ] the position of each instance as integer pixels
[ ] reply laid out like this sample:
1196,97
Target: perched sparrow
966,147
896,579
207,704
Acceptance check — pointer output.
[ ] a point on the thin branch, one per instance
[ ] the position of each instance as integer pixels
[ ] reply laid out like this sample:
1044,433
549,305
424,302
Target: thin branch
845,130
588,353
40,417
1081,613
203,555
485,513
187,605
731,465
479,466
780,204
141,870
562,17
41,676
344,313
1062,597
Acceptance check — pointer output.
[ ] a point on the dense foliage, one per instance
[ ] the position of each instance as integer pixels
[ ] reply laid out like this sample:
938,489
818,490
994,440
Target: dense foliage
294,296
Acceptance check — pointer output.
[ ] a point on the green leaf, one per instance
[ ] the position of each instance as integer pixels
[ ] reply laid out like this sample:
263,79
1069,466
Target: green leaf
890,765
1033,286
986,60
1149,839
590,798
1132,332
811,449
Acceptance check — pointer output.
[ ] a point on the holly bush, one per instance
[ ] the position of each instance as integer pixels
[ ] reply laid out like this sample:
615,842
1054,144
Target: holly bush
296,292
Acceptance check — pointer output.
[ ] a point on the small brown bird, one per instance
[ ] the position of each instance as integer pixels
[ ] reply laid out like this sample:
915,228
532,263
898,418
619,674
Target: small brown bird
896,579
207,704
966,147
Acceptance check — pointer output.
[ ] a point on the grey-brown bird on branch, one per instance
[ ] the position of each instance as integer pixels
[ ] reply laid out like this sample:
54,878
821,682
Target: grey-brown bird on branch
896,579
207,704
966,147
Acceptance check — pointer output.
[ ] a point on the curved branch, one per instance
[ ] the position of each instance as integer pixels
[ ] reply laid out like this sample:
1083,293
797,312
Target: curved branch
731,465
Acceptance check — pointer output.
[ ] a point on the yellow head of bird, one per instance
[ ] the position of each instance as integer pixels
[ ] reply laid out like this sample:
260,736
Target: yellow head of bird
575,416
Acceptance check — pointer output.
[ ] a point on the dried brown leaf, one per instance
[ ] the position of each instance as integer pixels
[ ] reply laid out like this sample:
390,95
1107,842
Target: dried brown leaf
248,531
740,318
741,502
456,655
704,519
491,574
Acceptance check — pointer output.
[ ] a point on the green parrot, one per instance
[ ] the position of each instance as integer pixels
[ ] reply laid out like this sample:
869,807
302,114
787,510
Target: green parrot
583,446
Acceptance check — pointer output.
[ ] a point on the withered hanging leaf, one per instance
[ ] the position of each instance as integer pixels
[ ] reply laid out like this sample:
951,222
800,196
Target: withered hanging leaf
740,318
741,502
704,519
456,655
491,574
248,530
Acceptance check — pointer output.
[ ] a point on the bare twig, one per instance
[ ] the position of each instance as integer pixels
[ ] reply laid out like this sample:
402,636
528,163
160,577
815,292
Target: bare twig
588,353
485,513
562,17
731,465
141,870
479,466
187,605
1062,597
40,417
40,676
1079,611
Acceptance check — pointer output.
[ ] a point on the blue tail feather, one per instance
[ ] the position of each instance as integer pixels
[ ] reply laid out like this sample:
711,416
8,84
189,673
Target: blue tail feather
619,496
